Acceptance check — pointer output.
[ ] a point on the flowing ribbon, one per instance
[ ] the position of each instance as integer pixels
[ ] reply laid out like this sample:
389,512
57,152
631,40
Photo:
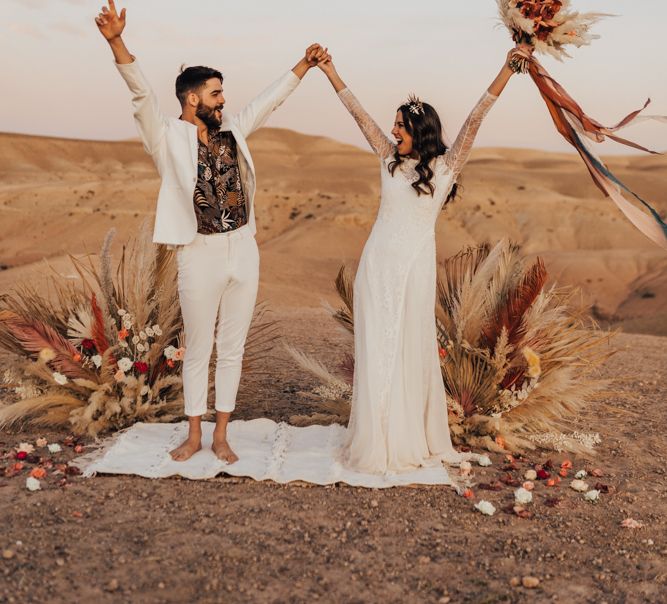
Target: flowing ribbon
578,129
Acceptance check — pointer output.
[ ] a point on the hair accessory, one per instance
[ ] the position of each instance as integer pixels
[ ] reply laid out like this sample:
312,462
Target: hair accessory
415,105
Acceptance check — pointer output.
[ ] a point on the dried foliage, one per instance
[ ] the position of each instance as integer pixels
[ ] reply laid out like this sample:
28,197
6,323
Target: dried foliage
518,360
104,353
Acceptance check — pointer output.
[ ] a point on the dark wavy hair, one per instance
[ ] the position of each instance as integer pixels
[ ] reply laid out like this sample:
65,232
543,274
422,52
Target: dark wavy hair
427,140
193,79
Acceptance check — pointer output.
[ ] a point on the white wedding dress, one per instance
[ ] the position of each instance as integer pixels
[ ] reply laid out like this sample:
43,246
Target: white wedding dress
398,432
399,412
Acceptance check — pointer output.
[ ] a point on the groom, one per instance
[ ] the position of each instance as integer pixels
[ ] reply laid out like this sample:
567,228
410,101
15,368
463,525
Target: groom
205,209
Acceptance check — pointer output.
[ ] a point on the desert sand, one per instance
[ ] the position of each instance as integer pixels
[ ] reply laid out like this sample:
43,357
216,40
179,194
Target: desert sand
112,539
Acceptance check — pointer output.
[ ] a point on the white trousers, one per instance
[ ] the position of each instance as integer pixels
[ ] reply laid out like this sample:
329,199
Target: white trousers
218,277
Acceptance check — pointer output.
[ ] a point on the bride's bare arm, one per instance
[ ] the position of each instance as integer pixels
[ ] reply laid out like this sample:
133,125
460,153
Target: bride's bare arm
378,140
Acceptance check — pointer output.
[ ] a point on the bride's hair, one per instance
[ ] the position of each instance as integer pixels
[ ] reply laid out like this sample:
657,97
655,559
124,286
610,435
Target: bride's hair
424,126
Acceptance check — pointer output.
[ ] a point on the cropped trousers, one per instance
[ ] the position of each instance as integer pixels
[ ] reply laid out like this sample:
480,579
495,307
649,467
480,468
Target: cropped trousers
218,276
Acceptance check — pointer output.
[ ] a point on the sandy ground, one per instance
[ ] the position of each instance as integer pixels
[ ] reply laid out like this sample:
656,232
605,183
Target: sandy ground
126,539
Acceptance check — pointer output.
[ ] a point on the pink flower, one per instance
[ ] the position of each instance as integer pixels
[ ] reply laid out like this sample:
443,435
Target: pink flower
179,354
529,485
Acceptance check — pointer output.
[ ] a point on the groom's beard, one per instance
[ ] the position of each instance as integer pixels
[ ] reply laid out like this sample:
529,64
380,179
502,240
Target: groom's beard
208,116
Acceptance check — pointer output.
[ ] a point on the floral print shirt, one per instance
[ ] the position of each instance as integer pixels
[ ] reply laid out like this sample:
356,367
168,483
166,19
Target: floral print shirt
219,199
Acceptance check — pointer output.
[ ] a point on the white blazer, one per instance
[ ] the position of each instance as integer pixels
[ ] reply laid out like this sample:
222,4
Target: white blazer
173,145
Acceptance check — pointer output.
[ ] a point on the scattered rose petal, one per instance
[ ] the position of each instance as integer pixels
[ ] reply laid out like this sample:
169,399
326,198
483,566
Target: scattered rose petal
566,465
631,523
493,486
21,455
563,473
604,488
530,475
78,448
581,474
529,485
77,514
25,448
522,496
579,485
543,474
509,480
592,495
484,461
597,472
552,502
41,442
55,448
32,484
522,512
468,494
485,507
38,473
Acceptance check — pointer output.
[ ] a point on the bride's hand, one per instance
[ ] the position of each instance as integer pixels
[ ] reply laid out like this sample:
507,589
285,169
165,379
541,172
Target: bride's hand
326,65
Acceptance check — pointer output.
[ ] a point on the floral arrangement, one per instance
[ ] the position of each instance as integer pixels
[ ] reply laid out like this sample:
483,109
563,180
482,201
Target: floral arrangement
106,352
548,25
517,359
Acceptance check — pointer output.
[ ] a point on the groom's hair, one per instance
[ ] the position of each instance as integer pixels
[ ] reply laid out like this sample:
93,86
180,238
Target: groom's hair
192,79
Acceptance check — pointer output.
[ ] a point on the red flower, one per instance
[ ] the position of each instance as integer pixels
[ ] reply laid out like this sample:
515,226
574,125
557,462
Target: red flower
87,344
21,455
443,353
141,367
543,474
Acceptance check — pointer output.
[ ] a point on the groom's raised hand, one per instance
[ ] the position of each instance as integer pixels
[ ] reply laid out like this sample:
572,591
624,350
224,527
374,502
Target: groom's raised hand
110,23
111,26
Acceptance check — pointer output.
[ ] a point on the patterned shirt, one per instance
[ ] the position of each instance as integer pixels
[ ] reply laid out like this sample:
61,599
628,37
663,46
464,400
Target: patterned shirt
219,199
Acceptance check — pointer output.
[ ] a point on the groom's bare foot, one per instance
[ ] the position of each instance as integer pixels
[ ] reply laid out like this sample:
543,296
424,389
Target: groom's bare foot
187,449
222,449
193,442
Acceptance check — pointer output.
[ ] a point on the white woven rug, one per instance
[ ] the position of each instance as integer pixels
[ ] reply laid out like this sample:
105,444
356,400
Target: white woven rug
267,451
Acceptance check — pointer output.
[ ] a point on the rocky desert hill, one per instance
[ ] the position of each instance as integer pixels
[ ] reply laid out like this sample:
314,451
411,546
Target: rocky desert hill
317,199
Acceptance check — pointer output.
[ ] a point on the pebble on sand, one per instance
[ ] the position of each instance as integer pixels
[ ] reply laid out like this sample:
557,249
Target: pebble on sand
530,582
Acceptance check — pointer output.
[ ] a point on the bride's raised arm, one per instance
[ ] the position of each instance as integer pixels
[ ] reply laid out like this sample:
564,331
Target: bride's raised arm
378,140
458,154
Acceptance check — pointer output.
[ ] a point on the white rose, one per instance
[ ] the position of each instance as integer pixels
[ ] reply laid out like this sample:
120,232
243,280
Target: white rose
465,468
136,340
579,485
486,507
530,475
59,378
581,474
121,312
55,448
522,496
127,323
122,344
125,364
141,347
143,335
169,352
149,332
484,460
592,495
32,484
157,330
145,390
97,360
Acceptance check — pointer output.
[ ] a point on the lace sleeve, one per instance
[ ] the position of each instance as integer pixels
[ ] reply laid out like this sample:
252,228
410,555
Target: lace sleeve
377,139
458,155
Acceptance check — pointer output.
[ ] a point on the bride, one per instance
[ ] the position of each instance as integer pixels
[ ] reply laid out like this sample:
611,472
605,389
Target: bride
399,412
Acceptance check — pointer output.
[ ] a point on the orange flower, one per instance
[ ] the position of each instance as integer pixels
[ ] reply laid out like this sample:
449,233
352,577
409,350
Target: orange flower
443,353
170,363
77,357
500,441
38,473
468,494
551,482
563,473
123,333
566,465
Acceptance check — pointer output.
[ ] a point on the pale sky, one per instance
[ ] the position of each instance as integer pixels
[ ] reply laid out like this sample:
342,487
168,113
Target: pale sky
58,78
